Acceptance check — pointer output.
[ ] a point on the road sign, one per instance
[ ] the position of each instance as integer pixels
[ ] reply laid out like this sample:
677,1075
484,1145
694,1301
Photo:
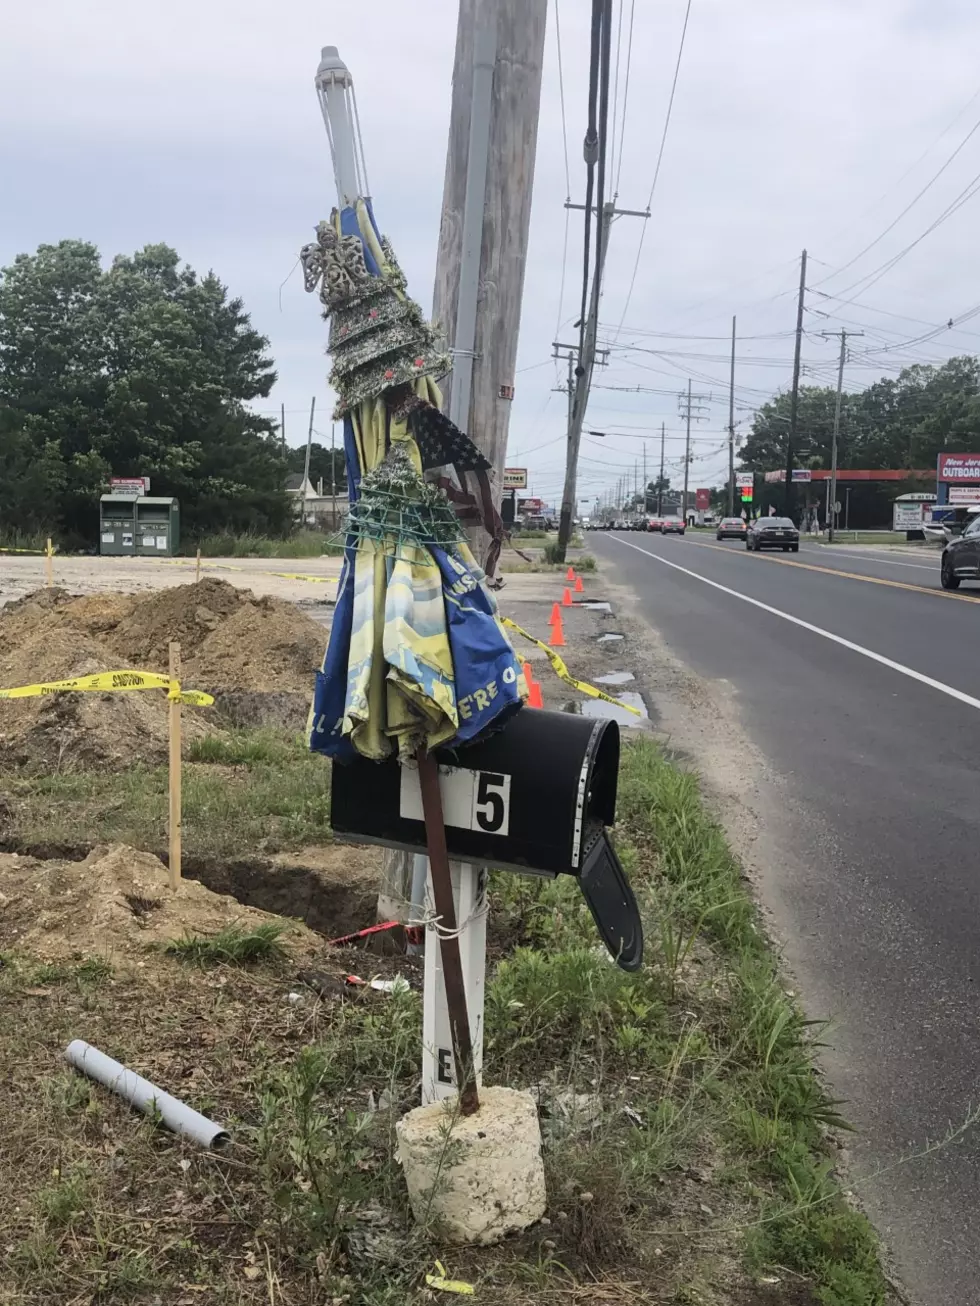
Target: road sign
837,505
515,478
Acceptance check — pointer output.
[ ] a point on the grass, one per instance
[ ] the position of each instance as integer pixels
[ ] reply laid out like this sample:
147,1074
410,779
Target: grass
301,544
585,562
842,536
243,791
703,1046
231,947
685,1126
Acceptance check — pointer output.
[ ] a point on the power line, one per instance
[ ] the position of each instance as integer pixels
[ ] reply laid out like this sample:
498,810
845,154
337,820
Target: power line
660,157
911,204
626,93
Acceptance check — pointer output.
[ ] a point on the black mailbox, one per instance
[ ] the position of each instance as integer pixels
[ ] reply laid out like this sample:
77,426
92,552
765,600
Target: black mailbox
535,797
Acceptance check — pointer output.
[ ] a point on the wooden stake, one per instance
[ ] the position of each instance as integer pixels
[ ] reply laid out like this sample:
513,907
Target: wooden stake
452,966
174,825
197,574
48,564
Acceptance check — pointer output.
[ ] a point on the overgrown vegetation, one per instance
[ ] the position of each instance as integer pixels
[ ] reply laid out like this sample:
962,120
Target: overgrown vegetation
246,790
300,544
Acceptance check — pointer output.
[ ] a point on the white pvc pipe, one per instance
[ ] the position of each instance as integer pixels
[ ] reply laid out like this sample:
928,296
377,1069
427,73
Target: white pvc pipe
143,1095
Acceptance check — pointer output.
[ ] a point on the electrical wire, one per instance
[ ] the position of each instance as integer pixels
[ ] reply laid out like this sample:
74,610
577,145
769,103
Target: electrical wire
626,94
660,157
911,204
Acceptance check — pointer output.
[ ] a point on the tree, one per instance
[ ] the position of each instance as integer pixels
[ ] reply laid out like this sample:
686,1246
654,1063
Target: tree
320,464
140,369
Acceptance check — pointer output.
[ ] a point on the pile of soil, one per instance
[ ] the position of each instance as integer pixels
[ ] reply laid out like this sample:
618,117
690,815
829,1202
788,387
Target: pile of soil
112,906
258,656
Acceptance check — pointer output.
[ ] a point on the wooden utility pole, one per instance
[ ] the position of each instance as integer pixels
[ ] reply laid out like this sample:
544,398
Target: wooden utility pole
510,141
479,284
832,492
687,457
660,483
794,403
731,431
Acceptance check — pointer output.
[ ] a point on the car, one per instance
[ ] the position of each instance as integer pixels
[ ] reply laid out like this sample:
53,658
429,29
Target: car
672,526
961,557
654,524
730,528
772,533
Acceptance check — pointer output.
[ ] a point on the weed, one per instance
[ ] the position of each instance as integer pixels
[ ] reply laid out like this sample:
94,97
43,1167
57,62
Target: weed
233,946
247,748
66,1200
90,971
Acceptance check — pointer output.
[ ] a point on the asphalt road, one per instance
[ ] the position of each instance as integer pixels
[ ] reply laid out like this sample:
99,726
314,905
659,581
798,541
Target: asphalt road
858,679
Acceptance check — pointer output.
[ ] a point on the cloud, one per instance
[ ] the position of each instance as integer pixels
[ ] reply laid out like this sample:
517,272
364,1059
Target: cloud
793,125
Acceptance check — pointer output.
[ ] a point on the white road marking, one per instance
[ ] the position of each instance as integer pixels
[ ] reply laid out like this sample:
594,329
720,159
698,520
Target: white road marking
903,670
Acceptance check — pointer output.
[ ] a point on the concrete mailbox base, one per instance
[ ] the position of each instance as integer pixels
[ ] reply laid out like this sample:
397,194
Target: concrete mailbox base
477,1178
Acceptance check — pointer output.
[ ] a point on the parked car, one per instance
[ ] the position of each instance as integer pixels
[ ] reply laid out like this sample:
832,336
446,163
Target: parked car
772,533
730,528
672,526
961,557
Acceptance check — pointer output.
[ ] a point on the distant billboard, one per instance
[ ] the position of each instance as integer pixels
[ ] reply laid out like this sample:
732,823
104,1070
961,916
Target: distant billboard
702,500
959,467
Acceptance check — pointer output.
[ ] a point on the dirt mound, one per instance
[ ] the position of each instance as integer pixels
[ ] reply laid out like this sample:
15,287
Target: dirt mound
113,905
230,640
257,655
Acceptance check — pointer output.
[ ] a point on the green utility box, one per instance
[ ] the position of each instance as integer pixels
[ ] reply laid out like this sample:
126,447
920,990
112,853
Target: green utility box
157,527
117,525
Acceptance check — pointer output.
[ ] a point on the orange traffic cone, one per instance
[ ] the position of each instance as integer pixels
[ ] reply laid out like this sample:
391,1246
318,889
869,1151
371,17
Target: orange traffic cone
528,675
579,587
566,598
570,574
557,633
534,698
555,613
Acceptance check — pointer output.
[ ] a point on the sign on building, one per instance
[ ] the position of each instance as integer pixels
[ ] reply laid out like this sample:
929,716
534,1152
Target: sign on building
515,478
960,467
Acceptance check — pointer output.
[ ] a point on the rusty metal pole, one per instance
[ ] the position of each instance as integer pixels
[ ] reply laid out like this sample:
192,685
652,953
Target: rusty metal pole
452,966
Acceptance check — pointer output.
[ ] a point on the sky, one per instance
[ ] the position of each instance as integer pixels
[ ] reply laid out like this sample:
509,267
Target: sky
793,125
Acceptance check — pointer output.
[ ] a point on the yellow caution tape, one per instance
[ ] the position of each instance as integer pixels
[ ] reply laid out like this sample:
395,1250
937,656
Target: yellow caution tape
39,553
563,673
442,1284
110,682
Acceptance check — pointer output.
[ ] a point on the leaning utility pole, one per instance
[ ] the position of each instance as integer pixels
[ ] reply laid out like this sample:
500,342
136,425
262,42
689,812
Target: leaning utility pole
794,402
486,212
731,431
832,496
